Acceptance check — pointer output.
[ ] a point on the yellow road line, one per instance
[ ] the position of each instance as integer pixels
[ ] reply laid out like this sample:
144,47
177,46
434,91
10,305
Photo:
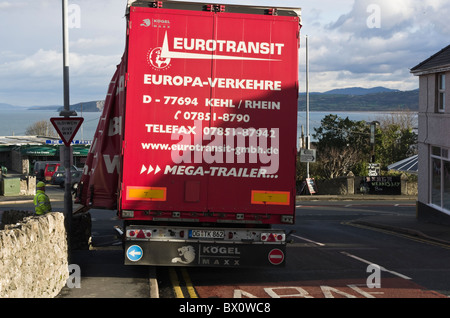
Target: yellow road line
175,283
189,286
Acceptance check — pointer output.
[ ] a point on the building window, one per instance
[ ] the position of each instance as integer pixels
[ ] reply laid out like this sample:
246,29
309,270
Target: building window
440,94
440,178
436,181
446,186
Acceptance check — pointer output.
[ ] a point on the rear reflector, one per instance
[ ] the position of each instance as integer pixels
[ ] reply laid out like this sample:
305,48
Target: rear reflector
270,197
146,193
273,237
140,234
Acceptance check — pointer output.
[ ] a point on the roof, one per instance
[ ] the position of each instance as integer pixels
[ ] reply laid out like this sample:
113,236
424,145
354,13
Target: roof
39,146
409,165
22,140
438,62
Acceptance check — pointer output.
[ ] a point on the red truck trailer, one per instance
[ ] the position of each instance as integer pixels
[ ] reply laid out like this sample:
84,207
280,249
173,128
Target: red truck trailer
196,146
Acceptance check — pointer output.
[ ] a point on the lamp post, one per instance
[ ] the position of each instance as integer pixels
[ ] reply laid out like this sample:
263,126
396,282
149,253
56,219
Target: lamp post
373,128
374,169
67,113
308,142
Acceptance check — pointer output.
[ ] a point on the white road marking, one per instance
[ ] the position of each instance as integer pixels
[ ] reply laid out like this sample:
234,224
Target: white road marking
308,240
381,267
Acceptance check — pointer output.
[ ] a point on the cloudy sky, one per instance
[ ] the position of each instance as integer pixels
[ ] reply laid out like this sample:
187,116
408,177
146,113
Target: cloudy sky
364,43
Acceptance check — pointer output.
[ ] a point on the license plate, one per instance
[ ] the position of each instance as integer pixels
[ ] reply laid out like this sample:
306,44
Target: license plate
213,234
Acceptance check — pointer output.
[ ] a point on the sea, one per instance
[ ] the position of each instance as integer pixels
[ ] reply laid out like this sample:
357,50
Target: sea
15,122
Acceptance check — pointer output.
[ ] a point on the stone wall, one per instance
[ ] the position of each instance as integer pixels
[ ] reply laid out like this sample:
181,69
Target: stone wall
33,255
410,187
337,186
28,185
350,184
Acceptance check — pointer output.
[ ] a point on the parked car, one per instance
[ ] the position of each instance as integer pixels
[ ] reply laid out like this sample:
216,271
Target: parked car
50,170
42,169
59,177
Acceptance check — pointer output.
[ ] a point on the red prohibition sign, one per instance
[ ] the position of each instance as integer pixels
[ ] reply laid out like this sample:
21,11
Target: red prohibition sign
276,256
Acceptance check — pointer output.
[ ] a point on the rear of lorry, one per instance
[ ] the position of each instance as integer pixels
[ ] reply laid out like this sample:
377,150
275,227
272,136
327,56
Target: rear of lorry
205,113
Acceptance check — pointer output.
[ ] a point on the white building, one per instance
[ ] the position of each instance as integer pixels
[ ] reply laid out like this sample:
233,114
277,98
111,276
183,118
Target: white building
434,137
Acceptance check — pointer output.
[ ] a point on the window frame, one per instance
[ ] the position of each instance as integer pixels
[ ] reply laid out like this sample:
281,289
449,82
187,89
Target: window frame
440,92
442,155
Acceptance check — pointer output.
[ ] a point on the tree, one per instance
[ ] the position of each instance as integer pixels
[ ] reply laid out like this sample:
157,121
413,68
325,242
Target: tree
340,133
41,128
342,144
396,139
336,162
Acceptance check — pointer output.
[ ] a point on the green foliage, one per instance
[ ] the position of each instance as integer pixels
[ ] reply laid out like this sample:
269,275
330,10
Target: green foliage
337,132
395,144
344,145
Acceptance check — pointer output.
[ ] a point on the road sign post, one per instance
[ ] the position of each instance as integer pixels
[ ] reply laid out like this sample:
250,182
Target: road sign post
66,113
67,128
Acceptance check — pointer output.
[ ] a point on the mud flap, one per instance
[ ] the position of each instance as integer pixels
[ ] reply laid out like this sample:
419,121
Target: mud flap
209,254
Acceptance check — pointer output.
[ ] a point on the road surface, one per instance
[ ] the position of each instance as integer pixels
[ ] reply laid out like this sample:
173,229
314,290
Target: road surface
329,257
332,258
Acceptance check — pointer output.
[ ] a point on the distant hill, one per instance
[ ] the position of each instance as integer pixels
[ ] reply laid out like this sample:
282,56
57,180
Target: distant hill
360,91
93,106
344,99
52,107
4,106
391,100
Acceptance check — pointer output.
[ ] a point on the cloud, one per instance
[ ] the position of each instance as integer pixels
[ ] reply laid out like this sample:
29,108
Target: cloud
31,60
89,44
40,75
393,16
48,64
5,5
41,64
344,49
376,43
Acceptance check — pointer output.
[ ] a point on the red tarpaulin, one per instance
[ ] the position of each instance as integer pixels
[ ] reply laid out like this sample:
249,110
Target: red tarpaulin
99,183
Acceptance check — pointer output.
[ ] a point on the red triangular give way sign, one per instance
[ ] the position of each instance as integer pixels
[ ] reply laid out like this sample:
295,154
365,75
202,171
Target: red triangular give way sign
67,127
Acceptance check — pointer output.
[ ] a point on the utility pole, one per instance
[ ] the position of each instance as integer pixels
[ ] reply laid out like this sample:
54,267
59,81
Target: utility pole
308,144
373,127
67,113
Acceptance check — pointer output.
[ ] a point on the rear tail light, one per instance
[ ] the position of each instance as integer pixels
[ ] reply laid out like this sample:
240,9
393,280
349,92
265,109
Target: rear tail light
140,234
273,237
127,213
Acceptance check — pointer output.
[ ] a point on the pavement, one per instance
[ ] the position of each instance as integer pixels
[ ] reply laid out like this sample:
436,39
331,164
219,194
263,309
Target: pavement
408,225
19,199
